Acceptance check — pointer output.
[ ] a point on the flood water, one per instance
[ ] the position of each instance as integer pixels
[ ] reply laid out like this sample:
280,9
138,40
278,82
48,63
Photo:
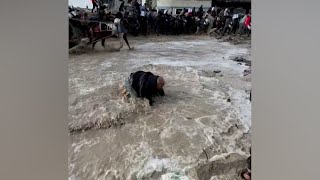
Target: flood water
206,107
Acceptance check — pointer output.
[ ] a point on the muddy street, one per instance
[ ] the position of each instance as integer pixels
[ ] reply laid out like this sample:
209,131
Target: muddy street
204,119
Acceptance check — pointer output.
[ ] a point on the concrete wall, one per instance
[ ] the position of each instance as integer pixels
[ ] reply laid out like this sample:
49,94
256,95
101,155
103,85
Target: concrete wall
153,2
171,5
183,3
174,5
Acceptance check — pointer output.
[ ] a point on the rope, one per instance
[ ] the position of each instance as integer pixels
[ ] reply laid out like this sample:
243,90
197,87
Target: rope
89,21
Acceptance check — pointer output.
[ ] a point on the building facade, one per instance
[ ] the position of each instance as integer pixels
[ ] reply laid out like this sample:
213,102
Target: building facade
176,6
232,3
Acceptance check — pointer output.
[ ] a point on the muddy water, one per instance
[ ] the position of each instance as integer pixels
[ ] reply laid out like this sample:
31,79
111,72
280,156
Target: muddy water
203,110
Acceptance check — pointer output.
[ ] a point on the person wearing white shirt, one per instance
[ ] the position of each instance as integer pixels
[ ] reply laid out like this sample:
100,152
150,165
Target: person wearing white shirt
118,22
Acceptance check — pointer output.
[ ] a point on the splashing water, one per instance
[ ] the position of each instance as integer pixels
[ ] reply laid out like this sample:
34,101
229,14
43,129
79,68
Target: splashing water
202,110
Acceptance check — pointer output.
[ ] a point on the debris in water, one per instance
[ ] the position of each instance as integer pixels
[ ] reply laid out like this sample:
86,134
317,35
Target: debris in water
247,72
95,106
242,60
205,154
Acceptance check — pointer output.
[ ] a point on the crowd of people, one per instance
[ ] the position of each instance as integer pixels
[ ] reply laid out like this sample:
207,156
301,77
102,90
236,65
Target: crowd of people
138,19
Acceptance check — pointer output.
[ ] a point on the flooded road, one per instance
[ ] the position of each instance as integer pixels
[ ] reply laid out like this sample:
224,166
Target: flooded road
204,117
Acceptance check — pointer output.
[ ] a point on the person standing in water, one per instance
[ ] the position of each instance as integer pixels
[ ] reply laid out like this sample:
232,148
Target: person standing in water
247,23
143,19
118,21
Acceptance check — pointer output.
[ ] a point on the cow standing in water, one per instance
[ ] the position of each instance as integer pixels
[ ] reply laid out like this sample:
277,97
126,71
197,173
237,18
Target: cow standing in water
102,30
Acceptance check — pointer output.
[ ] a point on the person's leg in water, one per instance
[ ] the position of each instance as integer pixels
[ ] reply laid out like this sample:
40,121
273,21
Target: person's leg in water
242,29
213,30
224,30
246,173
103,42
158,29
126,90
235,26
245,31
226,26
145,26
93,45
126,40
92,38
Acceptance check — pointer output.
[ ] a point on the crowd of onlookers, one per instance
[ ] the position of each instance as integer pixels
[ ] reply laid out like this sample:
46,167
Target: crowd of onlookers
138,19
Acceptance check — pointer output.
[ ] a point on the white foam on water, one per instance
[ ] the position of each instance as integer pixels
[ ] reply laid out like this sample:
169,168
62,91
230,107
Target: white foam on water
173,176
242,105
219,58
159,165
180,63
106,63
72,177
85,91
77,146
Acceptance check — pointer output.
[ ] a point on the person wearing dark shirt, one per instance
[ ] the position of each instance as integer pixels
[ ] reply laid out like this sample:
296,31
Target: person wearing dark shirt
94,4
121,8
144,85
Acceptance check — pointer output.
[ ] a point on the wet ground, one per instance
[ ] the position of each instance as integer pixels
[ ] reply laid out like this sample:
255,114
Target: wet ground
203,121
